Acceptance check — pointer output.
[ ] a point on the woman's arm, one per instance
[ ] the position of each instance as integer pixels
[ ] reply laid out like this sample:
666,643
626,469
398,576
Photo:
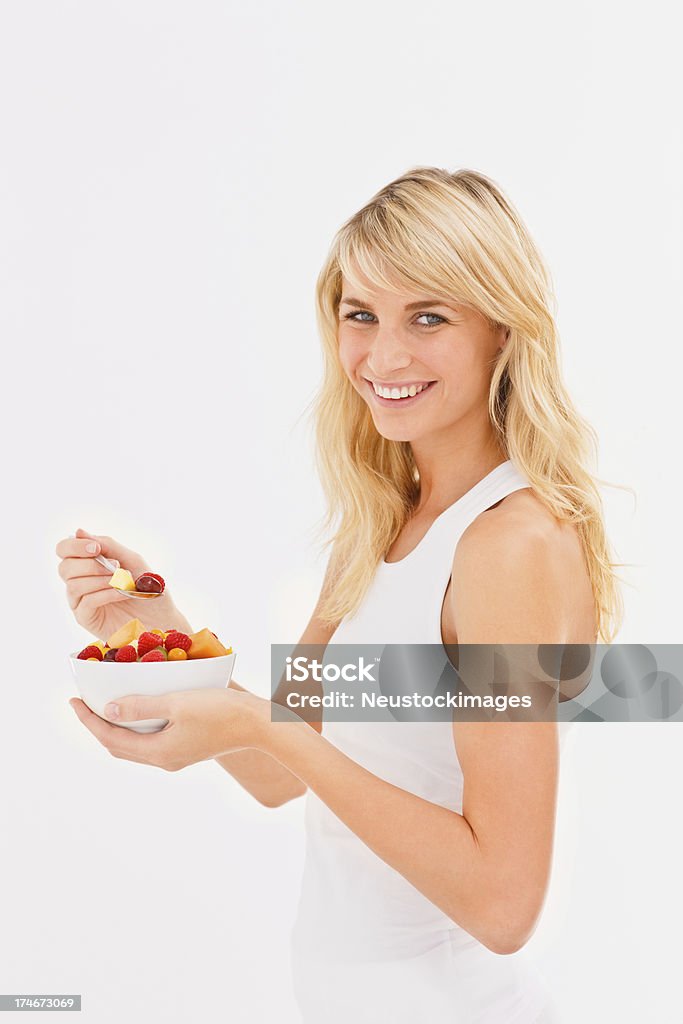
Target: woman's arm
262,775
266,778
488,884
487,868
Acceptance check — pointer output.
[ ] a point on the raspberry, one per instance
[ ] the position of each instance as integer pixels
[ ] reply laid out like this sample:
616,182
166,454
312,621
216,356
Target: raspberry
177,654
153,656
90,652
127,653
147,642
177,639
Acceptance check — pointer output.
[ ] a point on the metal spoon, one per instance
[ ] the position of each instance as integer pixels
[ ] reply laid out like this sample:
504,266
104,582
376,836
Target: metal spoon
111,567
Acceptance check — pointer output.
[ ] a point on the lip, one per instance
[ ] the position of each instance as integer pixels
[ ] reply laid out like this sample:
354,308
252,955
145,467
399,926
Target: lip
399,403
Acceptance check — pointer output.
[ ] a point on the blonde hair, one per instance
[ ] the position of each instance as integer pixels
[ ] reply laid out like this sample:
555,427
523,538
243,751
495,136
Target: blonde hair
454,235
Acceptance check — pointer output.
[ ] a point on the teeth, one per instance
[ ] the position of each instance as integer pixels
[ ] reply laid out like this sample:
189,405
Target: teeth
404,392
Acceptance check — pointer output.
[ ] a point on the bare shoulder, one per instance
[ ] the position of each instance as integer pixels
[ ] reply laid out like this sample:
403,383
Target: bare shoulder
520,576
521,524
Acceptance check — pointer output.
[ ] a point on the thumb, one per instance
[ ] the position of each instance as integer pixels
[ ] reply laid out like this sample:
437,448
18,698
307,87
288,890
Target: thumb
115,551
82,534
137,706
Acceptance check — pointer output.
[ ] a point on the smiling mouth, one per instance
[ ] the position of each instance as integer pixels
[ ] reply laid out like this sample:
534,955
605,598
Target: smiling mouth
398,394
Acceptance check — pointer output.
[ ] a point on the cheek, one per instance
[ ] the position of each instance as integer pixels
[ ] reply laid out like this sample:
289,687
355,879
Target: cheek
351,352
450,361
461,363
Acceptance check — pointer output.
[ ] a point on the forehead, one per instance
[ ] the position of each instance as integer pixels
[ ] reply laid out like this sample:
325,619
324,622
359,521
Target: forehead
393,293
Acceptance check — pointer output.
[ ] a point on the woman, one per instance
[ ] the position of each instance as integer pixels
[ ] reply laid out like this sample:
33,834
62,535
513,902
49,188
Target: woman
463,513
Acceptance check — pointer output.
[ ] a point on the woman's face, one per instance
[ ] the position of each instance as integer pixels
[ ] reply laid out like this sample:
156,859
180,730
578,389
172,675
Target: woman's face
437,354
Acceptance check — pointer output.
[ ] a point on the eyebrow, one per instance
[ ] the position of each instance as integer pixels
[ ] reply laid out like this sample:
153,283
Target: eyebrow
411,305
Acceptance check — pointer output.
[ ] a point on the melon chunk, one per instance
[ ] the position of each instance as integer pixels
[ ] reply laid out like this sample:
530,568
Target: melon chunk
205,645
127,634
122,580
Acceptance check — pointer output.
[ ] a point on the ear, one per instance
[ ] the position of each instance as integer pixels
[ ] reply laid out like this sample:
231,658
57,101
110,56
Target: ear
504,337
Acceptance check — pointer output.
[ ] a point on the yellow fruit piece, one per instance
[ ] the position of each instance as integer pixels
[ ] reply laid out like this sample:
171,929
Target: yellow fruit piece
205,645
228,650
177,654
92,659
122,580
158,632
127,634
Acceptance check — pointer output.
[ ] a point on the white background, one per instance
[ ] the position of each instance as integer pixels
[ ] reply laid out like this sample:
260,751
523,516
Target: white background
171,175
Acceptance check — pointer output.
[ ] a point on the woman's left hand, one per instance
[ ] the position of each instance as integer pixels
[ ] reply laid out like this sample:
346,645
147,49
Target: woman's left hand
202,724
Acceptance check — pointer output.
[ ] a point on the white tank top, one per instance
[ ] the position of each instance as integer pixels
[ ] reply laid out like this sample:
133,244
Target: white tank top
367,945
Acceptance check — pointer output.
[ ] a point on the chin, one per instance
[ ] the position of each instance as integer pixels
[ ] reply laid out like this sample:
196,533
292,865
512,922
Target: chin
396,432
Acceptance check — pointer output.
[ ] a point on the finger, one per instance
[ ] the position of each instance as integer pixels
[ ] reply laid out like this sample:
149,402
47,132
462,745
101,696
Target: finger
104,731
77,568
138,706
89,603
77,588
119,742
78,547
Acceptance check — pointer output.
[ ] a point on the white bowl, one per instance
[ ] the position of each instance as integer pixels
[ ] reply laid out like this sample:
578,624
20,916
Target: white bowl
98,682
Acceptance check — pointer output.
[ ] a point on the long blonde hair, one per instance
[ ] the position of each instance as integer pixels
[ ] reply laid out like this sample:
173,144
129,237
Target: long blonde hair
457,235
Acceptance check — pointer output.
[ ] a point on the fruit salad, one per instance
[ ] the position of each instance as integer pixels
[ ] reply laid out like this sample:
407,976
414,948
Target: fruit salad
133,642
146,583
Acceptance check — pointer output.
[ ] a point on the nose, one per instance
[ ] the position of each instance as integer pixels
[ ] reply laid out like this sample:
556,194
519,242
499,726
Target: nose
387,353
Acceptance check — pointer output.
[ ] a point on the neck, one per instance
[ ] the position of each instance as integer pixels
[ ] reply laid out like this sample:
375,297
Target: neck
449,465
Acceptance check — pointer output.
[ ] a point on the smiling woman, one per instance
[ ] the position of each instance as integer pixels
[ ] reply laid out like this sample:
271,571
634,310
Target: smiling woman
461,511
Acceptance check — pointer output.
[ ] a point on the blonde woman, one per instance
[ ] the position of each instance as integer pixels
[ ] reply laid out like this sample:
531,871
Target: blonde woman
461,511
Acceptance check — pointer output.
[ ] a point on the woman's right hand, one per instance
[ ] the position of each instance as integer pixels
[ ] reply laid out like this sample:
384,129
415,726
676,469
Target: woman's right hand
100,608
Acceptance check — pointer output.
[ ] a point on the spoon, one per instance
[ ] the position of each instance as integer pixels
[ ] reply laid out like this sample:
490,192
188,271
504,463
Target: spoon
112,567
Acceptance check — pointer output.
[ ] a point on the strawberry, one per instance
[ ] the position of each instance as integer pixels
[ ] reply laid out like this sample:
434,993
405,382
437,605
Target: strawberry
154,656
127,653
147,642
90,652
177,639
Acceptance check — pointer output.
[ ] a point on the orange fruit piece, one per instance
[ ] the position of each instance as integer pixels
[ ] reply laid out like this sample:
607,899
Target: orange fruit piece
205,645
177,654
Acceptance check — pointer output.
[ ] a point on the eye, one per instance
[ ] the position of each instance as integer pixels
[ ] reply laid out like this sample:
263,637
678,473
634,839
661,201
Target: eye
361,312
440,319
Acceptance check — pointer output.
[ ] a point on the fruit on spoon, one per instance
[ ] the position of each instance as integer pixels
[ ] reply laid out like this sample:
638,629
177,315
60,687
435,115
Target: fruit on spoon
122,580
